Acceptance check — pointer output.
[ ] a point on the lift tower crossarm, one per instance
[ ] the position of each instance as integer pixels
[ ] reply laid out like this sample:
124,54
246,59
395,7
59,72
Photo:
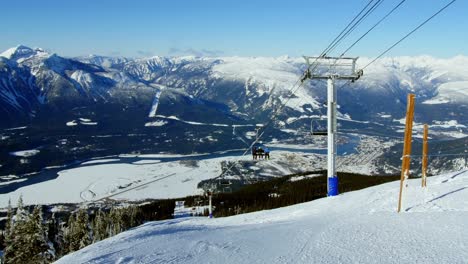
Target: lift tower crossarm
331,69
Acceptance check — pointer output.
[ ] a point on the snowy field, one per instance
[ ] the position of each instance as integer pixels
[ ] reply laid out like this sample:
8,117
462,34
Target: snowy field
161,176
355,227
138,177
147,177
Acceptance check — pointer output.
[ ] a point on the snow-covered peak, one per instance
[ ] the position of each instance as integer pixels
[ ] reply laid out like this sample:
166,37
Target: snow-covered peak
455,64
104,61
283,71
22,52
19,50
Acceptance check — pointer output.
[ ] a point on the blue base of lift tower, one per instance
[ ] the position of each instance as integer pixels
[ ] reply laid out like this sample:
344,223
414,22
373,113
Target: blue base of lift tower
333,186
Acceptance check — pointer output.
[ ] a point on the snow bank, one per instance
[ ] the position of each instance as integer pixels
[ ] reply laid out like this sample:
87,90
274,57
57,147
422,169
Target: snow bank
72,123
156,123
25,153
82,121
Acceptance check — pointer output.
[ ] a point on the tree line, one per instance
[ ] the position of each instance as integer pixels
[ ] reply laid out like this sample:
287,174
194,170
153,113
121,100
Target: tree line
29,238
285,191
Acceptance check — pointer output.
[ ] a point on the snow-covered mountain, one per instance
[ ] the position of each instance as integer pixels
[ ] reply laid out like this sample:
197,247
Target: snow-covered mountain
250,87
356,227
167,96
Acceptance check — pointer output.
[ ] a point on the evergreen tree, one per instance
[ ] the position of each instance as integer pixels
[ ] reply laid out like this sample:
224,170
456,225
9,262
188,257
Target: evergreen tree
52,230
2,242
55,234
8,223
61,248
40,248
100,230
79,233
16,250
125,218
115,222
84,228
67,235
134,216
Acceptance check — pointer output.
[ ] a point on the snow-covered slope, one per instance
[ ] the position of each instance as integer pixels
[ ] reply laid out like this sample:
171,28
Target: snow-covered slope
356,227
450,92
21,53
252,86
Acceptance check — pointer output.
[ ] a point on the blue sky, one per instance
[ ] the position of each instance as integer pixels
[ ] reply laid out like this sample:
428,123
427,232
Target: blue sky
140,28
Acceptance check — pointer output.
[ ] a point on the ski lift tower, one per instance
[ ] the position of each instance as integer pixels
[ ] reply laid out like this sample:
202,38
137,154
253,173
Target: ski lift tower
331,69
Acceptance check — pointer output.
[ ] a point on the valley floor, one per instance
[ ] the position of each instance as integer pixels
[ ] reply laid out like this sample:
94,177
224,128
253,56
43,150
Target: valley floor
162,176
355,227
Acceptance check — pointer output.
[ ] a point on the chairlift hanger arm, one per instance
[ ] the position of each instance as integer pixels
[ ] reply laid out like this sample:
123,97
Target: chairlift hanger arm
307,58
336,77
331,62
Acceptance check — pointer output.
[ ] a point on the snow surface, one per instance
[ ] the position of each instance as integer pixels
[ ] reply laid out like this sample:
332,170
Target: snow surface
98,161
98,179
89,123
160,155
156,123
300,178
16,128
82,121
355,227
191,122
274,74
13,181
160,176
450,92
25,153
21,53
72,123
138,177
154,106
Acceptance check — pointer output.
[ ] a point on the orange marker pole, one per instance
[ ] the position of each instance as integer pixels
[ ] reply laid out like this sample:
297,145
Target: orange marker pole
405,163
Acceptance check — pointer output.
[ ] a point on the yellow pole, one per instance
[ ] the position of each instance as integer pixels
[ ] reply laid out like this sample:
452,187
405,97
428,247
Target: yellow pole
405,163
424,157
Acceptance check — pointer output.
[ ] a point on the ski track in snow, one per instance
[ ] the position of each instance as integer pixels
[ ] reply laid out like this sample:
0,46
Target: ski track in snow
355,227
199,123
154,106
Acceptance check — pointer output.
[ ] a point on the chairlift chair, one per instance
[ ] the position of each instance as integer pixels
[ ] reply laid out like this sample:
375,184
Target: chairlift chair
225,182
318,131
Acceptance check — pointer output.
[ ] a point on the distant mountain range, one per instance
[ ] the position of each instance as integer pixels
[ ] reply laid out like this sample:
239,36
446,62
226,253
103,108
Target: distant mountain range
203,104
34,82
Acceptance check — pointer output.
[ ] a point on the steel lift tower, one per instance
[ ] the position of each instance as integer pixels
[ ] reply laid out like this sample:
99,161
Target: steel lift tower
331,69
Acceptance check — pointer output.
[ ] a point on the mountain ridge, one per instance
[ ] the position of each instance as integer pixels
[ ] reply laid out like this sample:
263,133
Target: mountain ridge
251,87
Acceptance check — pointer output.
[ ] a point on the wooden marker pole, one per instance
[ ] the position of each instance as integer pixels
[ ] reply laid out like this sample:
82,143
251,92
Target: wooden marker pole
424,156
405,163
